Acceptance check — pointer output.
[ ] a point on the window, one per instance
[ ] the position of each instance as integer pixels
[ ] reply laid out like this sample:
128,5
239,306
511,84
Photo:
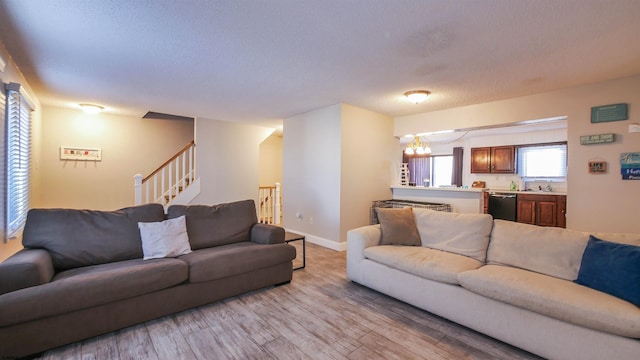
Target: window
442,170
18,159
430,170
543,161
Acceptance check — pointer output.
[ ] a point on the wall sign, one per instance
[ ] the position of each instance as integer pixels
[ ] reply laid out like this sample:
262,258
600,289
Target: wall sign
597,167
630,165
84,154
606,113
597,139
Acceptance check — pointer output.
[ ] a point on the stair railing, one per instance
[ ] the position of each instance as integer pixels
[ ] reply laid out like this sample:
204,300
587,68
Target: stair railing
270,205
169,179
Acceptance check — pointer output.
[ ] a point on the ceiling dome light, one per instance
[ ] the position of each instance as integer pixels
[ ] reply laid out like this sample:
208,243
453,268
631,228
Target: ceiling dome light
91,108
417,96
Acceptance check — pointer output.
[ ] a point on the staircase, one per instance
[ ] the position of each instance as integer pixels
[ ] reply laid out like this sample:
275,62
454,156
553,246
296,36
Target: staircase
270,205
174,182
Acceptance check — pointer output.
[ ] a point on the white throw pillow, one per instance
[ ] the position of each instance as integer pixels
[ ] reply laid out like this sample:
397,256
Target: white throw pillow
164,239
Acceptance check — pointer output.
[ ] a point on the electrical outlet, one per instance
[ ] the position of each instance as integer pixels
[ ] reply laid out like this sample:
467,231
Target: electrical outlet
311,220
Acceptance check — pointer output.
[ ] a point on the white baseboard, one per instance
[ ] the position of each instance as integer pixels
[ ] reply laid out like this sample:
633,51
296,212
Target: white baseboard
329,244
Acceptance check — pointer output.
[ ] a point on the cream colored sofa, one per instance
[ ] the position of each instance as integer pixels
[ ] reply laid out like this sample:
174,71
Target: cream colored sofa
510,281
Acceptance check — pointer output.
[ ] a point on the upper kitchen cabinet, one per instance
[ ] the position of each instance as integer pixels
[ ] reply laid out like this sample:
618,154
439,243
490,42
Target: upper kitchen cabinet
493,160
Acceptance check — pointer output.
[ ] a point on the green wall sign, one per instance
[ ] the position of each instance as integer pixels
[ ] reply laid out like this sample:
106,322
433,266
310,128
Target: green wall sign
597,139
606,113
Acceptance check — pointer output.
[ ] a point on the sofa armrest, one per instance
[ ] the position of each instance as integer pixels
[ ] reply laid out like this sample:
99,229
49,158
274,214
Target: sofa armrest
358,240
26,268
267,234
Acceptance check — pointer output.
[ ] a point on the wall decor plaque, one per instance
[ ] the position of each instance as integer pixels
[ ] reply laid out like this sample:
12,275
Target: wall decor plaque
597,167
606,113
83,154
597,139
630,165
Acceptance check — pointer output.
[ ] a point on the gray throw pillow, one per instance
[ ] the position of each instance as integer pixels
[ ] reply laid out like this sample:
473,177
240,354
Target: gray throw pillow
398,227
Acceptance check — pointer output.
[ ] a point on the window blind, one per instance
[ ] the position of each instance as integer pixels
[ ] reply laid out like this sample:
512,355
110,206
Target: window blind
18,159
545,161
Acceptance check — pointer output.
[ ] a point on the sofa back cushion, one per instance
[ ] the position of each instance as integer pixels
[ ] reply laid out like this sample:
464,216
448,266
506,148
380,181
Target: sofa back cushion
629,239
217,225
547,250
76,238
464,234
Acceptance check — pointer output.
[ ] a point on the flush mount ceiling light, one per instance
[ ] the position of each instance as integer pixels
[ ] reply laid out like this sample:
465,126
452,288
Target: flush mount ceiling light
91,108
417,96
417,147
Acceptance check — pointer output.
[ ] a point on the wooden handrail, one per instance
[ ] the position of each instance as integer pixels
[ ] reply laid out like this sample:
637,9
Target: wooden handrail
191,143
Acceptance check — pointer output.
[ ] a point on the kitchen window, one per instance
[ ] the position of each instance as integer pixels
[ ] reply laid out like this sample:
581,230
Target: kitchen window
544,161
430,170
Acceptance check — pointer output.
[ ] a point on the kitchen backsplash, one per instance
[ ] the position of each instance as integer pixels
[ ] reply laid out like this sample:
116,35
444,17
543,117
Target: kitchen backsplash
503,182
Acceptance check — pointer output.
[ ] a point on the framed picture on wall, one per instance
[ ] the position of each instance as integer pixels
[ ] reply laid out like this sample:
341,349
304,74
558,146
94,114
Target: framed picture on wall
597,167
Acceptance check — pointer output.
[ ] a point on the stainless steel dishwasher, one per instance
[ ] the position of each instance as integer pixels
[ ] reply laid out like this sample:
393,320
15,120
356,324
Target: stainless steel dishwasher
503,206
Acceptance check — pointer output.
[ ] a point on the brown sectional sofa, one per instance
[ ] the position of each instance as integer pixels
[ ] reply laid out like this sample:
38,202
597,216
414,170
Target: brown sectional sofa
82,272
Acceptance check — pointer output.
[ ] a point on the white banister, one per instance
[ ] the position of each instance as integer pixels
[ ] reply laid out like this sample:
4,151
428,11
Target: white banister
270,205
137,183
277,205
168,180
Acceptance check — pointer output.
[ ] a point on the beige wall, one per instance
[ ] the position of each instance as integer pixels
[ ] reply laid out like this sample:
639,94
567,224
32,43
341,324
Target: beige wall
271,160
130,145
368,151
311,175
228,160
336,162
595,202
10,74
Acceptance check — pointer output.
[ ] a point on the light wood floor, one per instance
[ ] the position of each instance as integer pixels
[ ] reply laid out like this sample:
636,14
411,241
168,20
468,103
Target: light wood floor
320,315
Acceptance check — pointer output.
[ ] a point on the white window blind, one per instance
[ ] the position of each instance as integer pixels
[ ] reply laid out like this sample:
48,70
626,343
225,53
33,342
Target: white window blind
545,161
18,159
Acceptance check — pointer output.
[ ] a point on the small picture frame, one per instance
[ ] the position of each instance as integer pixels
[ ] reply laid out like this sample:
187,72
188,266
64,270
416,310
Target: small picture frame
597,167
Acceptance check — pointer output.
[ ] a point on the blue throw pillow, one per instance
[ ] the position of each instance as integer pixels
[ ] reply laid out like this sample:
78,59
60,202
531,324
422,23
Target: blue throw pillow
611,268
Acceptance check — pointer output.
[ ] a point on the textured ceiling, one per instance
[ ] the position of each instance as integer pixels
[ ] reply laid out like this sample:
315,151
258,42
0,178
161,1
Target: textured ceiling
261,61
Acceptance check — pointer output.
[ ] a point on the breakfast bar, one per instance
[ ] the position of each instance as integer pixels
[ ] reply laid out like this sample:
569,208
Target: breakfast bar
462,200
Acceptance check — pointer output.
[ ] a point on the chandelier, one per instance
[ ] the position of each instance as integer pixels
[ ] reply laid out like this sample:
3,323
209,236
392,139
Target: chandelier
417,147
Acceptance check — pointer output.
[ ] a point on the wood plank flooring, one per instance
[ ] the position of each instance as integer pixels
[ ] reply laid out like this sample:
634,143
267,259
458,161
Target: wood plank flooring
320,315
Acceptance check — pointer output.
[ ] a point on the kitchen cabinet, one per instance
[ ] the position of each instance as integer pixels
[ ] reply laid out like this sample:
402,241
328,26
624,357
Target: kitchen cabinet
542,210
493,160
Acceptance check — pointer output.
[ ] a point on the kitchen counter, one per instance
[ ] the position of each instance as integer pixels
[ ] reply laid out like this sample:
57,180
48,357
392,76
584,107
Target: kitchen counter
432,188
469,200
528,192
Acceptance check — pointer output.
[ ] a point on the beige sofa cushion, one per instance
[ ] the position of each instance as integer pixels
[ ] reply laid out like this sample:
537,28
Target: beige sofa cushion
464,234
427,263
547,250
629,239
553,297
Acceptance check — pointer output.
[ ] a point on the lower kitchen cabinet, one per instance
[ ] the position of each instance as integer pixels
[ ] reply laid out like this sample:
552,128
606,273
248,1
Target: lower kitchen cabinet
543,210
